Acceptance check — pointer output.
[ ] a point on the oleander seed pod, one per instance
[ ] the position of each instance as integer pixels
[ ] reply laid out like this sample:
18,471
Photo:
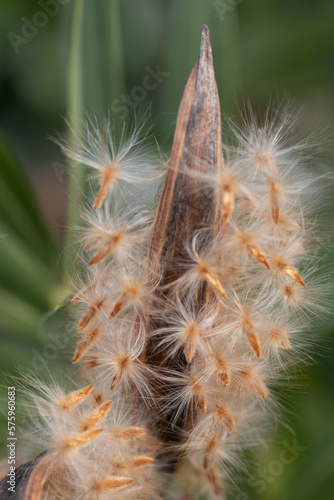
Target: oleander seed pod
187,313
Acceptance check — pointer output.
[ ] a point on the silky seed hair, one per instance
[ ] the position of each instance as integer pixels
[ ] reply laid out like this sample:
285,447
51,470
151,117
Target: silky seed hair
184,328
257,265
97,451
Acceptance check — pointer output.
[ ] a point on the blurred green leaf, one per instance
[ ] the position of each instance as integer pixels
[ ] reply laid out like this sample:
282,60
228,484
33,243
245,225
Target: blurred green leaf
18,207
114,47
18,316
75,104
27,252
316,474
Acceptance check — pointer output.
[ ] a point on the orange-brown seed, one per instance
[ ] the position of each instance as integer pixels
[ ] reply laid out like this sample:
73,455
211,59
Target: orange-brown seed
108,177
90,421
224,415
84,346
73,399
110,483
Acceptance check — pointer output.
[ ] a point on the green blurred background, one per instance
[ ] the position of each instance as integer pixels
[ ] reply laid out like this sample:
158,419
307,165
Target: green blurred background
94,56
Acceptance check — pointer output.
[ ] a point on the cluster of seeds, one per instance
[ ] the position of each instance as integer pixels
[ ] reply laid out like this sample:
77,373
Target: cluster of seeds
94,452
225,326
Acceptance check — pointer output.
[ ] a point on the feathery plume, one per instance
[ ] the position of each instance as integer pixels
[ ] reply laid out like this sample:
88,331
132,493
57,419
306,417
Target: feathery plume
187,313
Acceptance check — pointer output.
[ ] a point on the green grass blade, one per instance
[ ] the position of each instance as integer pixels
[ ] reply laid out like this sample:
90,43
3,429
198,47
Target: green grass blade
115,53
75,105
18,207
229,78
18,316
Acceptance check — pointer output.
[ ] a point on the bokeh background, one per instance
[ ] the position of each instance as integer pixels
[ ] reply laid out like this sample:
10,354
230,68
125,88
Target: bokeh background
93,57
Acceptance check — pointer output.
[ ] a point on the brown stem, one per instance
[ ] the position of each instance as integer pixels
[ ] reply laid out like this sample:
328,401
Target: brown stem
30,479
186,206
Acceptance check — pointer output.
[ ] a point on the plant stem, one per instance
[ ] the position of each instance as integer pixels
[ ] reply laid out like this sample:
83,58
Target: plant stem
114,48
75,105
